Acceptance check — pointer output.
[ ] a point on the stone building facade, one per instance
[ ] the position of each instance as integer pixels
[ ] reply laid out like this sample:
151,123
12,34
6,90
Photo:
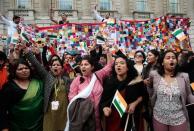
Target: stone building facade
38,11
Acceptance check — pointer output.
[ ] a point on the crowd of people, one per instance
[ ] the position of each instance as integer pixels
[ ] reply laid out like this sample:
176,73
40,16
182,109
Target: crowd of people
41,92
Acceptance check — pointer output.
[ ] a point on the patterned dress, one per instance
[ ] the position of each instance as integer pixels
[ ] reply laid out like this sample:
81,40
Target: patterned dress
168,108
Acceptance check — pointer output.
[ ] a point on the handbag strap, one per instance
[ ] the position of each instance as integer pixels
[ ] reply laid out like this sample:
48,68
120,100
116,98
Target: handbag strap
133,121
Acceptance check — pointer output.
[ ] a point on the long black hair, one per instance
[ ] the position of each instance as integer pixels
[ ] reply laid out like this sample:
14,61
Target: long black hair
149,66
131,73
155,53
161,67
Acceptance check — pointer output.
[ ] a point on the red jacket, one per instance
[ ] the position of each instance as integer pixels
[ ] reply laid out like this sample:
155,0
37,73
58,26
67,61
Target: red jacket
3,76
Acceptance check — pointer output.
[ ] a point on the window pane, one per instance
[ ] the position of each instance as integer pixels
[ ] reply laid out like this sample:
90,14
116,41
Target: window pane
141,5
23,4
105,5
65,4
174,6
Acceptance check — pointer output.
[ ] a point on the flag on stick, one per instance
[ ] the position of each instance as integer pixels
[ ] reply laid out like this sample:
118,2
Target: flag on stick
179,34
192,87
15,38
52,34
119,103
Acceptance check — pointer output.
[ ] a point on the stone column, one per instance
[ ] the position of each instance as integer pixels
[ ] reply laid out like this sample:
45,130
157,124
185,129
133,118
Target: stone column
44,7
190,14
124,9
86,9
43,15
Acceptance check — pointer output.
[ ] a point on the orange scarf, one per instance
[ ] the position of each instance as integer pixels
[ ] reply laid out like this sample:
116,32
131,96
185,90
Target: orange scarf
3,76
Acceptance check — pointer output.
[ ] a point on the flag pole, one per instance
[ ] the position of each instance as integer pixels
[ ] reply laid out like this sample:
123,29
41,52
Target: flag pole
112,100
190,104
126,124
111,105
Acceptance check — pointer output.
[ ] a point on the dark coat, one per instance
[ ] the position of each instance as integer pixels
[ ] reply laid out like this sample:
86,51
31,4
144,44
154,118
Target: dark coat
133,90
47,77
82,115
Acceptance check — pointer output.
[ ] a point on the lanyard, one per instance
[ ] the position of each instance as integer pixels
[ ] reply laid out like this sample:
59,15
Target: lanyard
57,89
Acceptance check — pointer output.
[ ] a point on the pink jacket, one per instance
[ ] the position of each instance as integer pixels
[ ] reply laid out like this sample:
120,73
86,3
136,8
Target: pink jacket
95,96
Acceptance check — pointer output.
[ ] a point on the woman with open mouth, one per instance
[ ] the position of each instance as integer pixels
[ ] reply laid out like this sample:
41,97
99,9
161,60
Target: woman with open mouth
56,92
124,78
170,90
80,83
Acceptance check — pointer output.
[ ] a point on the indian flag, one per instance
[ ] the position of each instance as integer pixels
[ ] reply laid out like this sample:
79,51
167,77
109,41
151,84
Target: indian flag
179,34
15,38
83,46
52,34
24,36
2,37
192,86
119,103
111,21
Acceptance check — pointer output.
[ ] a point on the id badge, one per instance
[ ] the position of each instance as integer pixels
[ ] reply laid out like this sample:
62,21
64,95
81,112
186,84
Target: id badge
54,105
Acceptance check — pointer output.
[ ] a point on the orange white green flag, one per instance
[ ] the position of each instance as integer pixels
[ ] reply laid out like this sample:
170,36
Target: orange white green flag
179,34
119,103
192,86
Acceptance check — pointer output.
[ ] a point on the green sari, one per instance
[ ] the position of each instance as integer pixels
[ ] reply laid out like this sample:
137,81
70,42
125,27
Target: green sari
27,114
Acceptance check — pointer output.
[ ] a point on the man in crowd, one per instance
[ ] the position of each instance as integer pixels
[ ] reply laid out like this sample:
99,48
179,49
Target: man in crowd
12,25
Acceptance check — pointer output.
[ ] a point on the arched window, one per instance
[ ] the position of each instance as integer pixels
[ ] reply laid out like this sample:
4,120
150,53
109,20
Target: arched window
66,4
174,6
105,5
23,4
141,5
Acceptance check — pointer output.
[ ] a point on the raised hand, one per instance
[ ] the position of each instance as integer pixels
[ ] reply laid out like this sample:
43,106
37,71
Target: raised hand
95,7
93,45
35,50
116,48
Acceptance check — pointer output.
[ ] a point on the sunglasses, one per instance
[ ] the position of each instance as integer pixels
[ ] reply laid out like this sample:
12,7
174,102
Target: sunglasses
138,55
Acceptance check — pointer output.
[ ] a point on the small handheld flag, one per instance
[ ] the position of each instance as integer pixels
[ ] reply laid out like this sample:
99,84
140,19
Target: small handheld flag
192,87
119,103
179,34
100,40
